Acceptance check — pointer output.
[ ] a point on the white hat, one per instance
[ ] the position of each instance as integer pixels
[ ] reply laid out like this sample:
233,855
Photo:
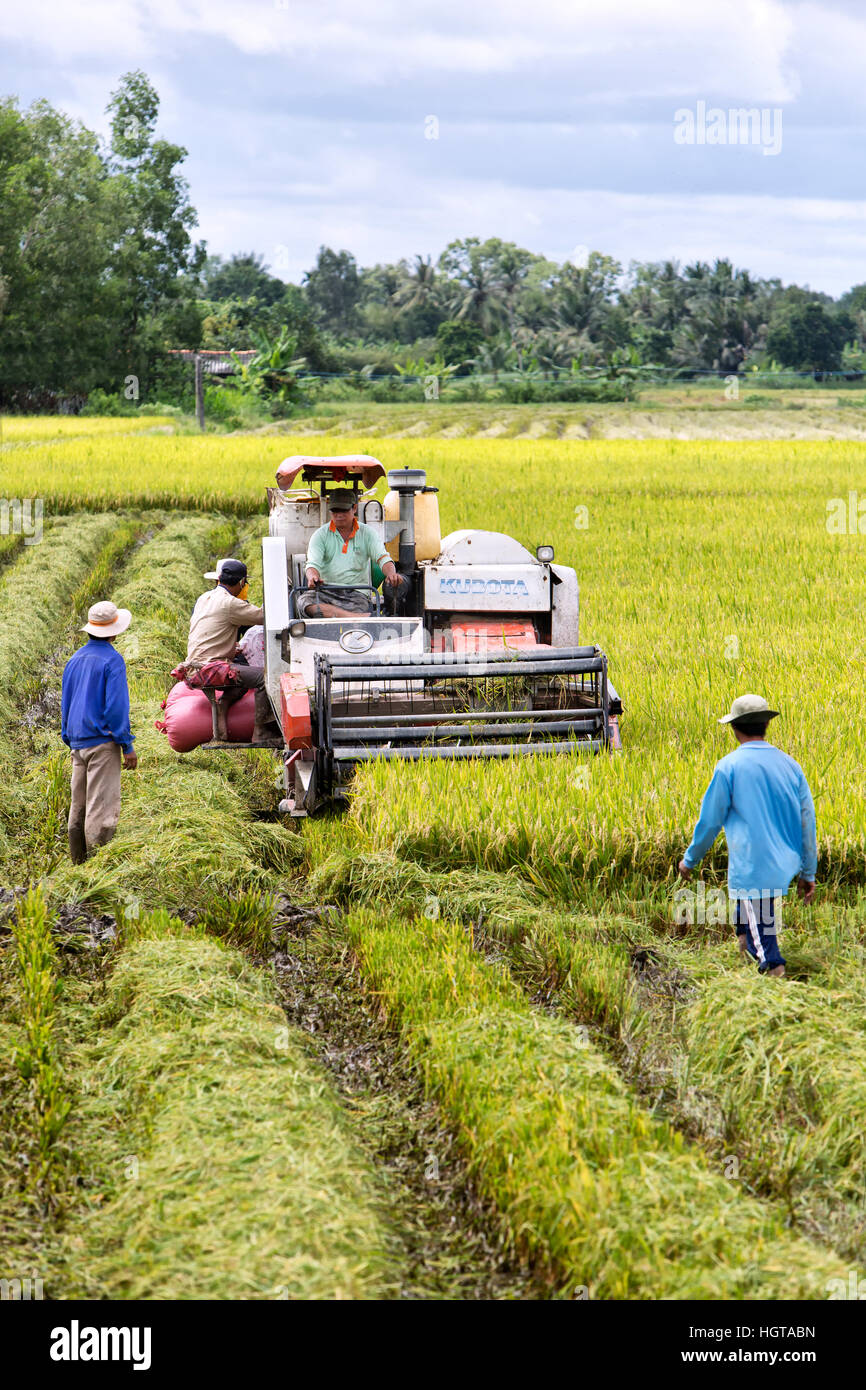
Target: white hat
105,619
215,574
753,708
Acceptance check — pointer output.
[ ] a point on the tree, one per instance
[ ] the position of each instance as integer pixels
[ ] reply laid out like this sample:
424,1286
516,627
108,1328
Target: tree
333,289
55,239
654,304
419,286
476,292
723,310
243,276
808,336
378,309
272,374
583,297
459,341
511,265
420,299
154,263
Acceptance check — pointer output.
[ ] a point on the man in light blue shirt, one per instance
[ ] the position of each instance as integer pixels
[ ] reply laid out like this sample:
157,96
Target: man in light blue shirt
760,797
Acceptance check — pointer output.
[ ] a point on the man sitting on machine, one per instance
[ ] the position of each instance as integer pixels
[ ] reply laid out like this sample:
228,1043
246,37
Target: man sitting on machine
341,554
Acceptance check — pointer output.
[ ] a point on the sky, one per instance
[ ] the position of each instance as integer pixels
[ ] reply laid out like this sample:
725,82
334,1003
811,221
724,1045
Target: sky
389,129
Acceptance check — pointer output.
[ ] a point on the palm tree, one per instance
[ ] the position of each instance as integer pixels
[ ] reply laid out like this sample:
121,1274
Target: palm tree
495,357
473,285
722,305
481,299
420,286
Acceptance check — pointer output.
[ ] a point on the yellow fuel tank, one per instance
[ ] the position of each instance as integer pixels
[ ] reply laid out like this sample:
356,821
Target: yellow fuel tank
428,533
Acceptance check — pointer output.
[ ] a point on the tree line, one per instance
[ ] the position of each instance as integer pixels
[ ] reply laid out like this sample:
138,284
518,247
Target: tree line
100,279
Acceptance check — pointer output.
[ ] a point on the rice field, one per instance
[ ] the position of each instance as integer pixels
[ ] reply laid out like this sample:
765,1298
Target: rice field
632,1112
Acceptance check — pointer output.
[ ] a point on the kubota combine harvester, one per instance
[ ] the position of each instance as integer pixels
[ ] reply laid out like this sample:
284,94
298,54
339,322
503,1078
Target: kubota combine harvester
482,660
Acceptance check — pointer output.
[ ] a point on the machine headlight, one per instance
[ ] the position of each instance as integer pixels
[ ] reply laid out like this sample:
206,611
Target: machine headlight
297,629
544,553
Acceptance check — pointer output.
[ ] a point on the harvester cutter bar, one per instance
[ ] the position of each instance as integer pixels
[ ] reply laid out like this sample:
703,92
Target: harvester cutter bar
357,721
440,731
363,753
476,661
461,669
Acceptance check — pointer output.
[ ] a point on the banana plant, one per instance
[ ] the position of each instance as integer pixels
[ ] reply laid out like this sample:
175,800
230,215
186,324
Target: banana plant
420,367
273,371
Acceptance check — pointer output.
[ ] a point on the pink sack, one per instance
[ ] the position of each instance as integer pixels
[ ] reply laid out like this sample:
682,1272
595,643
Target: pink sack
188,723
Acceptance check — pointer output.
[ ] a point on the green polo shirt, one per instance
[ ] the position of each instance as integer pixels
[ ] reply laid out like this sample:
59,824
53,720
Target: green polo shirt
325,553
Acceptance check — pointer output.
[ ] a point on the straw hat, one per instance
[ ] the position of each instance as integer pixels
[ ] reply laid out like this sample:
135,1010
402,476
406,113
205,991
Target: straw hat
750,709
105,619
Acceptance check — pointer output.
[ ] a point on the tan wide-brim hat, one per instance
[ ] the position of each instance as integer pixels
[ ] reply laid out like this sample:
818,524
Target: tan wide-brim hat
105,619
749,707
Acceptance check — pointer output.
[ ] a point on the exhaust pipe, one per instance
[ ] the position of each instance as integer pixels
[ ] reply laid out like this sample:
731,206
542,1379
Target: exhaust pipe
406,482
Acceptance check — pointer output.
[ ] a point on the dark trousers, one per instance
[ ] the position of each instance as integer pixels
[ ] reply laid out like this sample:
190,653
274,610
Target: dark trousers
250,678
360,601
756,921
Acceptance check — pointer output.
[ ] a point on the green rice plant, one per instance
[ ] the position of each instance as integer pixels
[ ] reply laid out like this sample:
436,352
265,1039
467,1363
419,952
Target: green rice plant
96,584
49,781
586,961
35,1056
9,547
588,1184
37,428
22,1201
381,879
215,1159
245,921
787,1067
35,595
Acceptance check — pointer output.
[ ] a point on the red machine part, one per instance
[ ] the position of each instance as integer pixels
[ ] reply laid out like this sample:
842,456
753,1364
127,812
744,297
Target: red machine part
472,635
295,711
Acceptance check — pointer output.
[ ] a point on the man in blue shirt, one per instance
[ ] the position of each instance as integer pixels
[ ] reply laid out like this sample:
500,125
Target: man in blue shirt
760,797
95,726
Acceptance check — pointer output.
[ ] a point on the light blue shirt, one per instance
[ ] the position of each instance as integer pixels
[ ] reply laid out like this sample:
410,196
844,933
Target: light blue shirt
760,797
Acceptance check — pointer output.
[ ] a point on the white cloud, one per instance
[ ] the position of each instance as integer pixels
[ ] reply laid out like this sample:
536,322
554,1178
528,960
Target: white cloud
808,240
305,124
378,39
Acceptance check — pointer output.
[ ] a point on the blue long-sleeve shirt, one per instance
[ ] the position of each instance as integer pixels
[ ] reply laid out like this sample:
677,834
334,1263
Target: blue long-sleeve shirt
760,797
95,699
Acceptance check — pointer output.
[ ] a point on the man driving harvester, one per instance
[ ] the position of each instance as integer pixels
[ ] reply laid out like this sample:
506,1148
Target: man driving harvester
341,553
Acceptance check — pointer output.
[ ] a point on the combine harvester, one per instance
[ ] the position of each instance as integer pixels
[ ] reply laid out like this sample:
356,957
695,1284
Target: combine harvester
482,660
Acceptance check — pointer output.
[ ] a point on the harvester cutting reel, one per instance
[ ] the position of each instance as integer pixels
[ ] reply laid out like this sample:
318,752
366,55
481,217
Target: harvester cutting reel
442,705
